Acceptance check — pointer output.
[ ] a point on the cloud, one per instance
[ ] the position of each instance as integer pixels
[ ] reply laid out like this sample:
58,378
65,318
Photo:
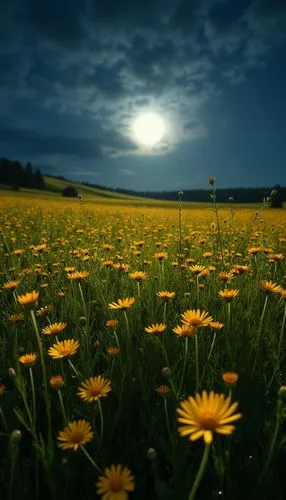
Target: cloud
127,171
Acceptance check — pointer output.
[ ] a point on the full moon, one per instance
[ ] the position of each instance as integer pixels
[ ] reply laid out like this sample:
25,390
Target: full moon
149,128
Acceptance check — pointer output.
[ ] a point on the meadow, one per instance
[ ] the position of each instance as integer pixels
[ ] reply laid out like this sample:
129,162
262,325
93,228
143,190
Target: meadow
142,349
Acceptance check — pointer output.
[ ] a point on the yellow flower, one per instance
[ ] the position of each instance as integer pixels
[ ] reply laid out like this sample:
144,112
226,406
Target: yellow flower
162,390
11,285
28,299
116,484
156,328
54,328
197,269
282,293
16,318
2,389
161,255
78,275
94,388
28,359
166,296
225,276
112,351
64,349
228,294
111,323
230,378
75,434
139,276
56,381
185,330
270,287
196,318
43,311
122,303
216,325
205,414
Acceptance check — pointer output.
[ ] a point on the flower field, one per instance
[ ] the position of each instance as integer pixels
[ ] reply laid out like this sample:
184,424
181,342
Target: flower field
142,350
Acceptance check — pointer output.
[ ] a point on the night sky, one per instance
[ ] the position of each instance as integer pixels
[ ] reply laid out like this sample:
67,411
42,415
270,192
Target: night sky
76,73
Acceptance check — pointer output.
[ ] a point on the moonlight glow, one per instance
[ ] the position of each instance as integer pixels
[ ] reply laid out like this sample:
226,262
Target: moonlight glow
149,129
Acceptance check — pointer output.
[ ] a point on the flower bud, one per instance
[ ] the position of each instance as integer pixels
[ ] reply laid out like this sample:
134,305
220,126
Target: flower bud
282,393
152,454
166,372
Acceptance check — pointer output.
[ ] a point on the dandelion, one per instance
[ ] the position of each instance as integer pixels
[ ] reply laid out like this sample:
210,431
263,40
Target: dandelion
228,294
269,287
74,435
225,277
139,276
64,349
216,325
185,330
28,299
122,303
94,388
197,269
205,414
11,285
196,318
56,382
113,351
230,378
116,484
54,328
166,296
43,311
78,275
161,256
16,318
111,323
163,390
28,359
156,328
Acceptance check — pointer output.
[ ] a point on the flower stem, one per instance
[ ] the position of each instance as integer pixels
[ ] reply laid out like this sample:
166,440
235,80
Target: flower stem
73,368
101,421
62,405
90,459
168,421
197,361
184,364
200,472
47,399
33,399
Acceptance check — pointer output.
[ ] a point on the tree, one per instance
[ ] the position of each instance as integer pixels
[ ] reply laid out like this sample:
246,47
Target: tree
70,192
39,180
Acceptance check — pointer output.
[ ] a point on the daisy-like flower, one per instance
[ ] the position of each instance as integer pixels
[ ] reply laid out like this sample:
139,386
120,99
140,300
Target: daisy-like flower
69,269
163,390
2,390
121,267
230,378
166,296
196,318
113,351
11,285
122,303
139,276
43,311
270,287
185,330
94,388
225,277
111,323
56,381
197,269
116,484
161,256
54,328
75,434
64,349
156,328
282,293
28,359
78,275
28,299
205,414
16,318
228,294
216,325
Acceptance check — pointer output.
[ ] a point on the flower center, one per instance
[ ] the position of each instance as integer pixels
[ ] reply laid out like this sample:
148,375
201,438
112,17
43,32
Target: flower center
94,392
208,422
116,483
77,437
65,352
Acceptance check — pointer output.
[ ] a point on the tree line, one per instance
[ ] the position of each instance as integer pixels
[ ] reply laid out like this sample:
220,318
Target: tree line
16,175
